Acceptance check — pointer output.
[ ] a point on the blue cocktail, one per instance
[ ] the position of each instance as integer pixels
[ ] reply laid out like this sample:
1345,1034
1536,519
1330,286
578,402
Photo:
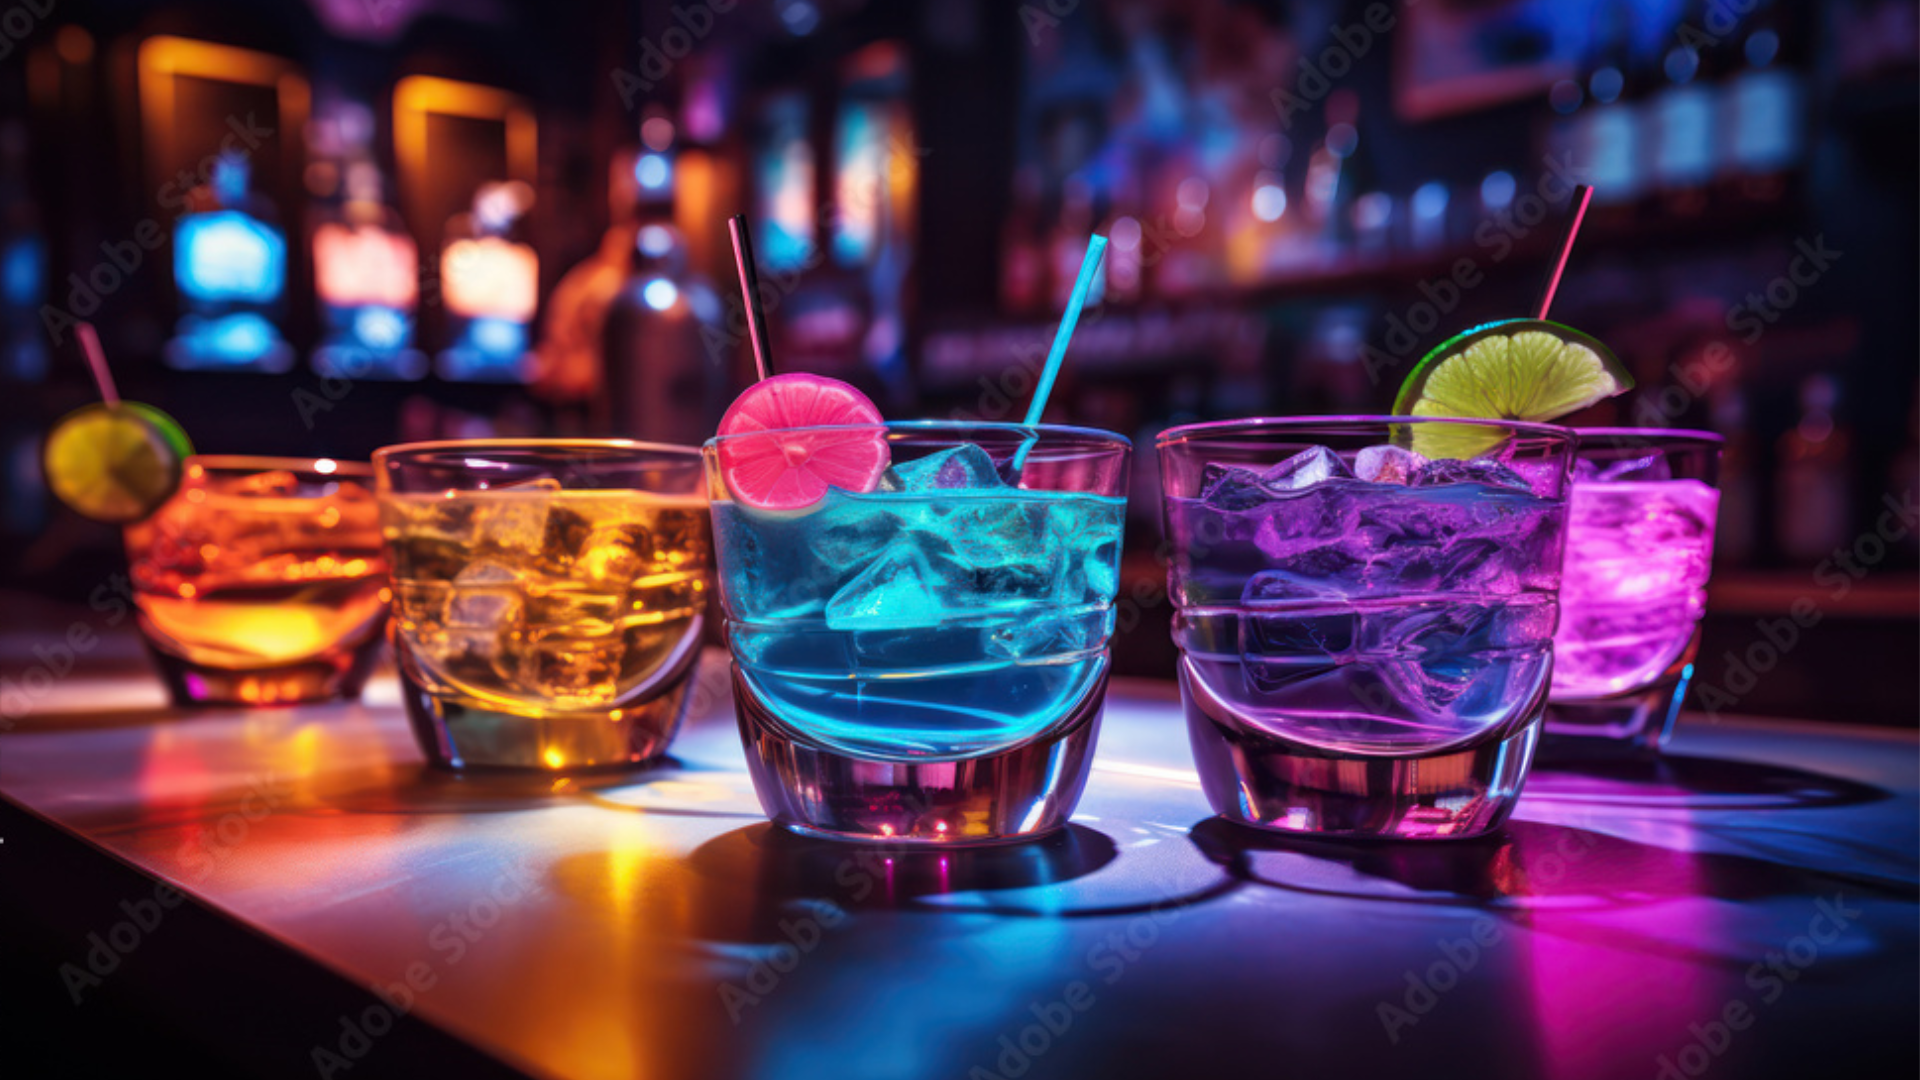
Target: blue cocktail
924,660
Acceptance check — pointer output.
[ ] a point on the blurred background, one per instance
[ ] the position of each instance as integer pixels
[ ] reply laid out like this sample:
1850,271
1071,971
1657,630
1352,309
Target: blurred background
321,226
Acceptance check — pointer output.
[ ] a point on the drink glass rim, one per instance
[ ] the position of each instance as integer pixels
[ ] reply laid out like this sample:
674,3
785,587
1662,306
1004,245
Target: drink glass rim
1207,431
268,463
1676,435
436,446
936,426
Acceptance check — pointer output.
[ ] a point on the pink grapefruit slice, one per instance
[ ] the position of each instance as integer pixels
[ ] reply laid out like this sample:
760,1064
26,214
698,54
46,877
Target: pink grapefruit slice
784,442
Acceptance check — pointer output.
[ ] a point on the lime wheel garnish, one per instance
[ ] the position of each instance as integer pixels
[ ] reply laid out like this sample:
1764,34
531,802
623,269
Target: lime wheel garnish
115,463
1516,369
790,438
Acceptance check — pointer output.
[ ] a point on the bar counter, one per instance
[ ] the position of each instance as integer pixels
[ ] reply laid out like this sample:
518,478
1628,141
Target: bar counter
1744,907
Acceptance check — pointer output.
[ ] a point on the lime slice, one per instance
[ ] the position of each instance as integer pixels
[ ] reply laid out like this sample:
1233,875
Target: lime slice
115,463
1517,369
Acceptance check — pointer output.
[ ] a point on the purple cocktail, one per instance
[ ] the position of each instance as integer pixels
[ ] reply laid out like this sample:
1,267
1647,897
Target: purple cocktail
1365,635
1639,550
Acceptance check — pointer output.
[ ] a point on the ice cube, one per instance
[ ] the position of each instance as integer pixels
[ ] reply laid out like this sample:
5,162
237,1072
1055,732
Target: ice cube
1341,566
895,592
1477,471
852,535
1229,487
1047,636
1387,464
613,554
514,519
486,605
572,668
484,594
963,466
1000,545
1286,586
1310,519
1314,465
272,482
565,537
1446,661
1283,650
1651,466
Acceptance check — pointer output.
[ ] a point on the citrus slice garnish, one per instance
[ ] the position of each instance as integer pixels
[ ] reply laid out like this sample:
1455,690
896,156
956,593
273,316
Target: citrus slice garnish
115,463
1516,369
787,440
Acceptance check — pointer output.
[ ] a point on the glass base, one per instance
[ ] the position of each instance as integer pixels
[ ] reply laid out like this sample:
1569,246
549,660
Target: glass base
456,733
335,677
1016,794
1257,778
1644,718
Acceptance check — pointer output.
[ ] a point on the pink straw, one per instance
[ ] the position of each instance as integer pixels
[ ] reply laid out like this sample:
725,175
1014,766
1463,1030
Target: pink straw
97,360
1582,195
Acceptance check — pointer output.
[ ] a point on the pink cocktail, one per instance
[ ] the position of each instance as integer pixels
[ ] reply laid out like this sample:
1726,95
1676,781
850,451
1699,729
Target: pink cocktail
1639,551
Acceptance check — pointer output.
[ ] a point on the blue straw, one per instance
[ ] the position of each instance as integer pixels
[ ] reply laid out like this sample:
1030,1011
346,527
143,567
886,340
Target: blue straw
1096,248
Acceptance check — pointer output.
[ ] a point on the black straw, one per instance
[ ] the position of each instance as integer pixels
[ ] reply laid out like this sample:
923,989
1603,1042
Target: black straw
750,292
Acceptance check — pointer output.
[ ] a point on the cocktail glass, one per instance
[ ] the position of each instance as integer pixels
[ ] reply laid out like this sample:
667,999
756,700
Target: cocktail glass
1639,550
927,662
261,581
549,597
1365,636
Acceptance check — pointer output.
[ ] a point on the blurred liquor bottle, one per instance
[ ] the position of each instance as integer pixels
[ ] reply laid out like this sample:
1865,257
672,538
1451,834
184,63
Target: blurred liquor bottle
23,264
1680,116
1067,244
1607,129
1124,271
1023,255
1762,114
1813,501
667,352
230,271
1903,477
489,287
570,367
1739,486
366,275
1329,194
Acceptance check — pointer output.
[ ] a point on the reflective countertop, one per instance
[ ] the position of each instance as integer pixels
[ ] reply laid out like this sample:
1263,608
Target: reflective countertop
1744,907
